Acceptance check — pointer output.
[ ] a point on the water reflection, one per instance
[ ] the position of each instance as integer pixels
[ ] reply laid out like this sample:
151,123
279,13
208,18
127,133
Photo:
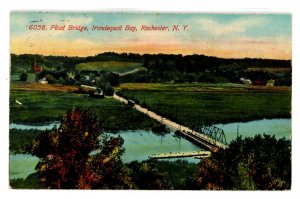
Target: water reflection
140,144
278,127
42,127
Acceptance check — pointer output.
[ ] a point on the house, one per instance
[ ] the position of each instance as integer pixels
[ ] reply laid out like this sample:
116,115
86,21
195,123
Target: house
245,81
43,81
37,69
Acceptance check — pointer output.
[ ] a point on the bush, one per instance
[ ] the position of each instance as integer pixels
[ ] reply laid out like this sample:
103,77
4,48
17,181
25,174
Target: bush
23,76
50,78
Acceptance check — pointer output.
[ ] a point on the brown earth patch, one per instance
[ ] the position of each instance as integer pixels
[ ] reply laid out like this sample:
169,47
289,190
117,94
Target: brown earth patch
42,87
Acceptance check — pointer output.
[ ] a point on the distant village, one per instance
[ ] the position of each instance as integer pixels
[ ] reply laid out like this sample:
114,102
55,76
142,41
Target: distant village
160,68
95,83
98,83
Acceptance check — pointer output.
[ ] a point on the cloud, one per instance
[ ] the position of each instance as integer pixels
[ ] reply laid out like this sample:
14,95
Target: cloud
236,26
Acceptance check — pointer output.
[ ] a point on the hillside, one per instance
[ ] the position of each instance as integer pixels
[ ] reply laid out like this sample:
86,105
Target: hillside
113,66
24,62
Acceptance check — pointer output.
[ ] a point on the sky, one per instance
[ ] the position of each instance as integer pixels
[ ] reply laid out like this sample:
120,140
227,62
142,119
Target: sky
221,35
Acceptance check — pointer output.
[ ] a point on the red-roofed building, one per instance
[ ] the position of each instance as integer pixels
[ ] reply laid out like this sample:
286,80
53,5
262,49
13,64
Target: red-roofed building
36,68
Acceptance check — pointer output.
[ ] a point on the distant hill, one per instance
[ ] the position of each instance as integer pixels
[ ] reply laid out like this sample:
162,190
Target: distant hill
113,66
202,63
154,62
24,62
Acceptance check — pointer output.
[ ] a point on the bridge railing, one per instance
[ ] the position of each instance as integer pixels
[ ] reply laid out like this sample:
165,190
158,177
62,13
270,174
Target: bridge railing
209,134
213,132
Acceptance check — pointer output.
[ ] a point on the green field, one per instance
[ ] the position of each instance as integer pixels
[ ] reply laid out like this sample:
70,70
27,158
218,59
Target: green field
182,86
189,104
39,107
113,66
193,104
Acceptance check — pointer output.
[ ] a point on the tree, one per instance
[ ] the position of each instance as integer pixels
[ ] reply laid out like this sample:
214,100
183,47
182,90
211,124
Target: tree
66,160
23,76
108,165
49,78
147,176
262,163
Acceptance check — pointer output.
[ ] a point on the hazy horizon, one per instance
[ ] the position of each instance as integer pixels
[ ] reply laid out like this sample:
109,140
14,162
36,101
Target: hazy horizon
265,36
148,54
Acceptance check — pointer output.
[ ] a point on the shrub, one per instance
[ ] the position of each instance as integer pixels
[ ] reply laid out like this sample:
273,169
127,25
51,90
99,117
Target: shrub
23,76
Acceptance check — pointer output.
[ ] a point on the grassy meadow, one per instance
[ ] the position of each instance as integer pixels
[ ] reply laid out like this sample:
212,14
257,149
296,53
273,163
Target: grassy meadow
40,107
191,104
114,66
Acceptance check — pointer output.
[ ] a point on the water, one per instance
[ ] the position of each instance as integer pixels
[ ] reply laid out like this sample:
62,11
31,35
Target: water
42,127
140,144
278,127
21,165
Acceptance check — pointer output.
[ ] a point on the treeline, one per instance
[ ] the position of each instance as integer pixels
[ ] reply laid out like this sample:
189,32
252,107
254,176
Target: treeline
201,63
111,56
24,62
160,62
201,68
170,67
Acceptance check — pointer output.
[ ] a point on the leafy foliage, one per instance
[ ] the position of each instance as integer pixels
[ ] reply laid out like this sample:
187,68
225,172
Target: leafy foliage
23,76
108,164
259,163
19,140
31,182
146,176
177,173
66,160
76,156
49,78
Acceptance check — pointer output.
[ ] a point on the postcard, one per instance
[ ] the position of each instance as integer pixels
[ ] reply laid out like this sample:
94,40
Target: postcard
150,101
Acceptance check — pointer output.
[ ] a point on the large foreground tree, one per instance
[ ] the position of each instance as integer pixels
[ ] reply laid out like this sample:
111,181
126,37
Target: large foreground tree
75,156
